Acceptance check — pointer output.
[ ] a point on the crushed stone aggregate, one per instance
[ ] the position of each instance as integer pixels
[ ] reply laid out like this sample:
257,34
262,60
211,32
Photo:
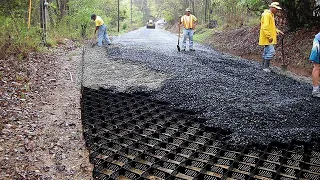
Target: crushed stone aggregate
231,92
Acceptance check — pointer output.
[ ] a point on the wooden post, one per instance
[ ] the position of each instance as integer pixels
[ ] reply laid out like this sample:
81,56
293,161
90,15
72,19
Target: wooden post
29,18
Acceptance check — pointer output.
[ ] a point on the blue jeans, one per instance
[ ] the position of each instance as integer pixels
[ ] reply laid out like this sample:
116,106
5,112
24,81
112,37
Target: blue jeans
187,33
103,35
268,54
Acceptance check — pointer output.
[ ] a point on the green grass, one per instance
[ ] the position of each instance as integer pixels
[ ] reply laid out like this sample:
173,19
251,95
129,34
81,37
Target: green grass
202,34
16,39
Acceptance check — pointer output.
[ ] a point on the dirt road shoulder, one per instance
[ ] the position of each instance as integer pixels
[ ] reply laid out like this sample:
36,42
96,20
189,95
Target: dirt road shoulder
50,144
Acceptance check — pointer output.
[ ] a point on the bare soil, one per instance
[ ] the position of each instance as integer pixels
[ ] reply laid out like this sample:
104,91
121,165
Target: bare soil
40,118
244,43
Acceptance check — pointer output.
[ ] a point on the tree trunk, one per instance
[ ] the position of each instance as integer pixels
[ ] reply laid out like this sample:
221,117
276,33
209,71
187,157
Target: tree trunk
41,13
58,7
63,8
193,9
50,15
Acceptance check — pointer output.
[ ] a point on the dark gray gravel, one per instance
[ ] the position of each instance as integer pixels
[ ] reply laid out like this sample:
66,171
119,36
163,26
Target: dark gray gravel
233,93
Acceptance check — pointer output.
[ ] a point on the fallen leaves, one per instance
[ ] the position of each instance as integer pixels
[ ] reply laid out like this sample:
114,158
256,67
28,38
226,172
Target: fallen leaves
30,147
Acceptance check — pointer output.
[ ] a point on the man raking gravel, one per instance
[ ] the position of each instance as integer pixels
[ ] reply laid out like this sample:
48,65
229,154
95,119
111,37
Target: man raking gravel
102,30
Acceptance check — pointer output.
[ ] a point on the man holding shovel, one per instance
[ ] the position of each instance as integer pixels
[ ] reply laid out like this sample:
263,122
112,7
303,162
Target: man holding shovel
268,34
189,23
102,30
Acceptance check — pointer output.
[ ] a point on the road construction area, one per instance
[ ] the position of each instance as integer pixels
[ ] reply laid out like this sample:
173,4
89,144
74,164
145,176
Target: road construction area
149,111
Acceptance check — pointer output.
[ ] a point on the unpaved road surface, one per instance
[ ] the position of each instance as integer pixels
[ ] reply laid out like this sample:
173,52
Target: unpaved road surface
232,93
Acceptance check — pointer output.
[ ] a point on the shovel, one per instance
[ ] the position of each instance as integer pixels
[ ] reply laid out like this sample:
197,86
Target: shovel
284,65
178,46
93,43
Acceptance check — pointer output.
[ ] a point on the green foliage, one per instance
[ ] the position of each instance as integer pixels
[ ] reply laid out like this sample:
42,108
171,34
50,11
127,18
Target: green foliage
16,38
233,14
71,18
13,7
137,14
256,6
72,22
78,23
169,9
124,26
169,17
300,13
202,34
228,13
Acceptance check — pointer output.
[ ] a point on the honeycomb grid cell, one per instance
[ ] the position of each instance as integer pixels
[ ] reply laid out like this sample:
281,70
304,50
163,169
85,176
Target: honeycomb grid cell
131,136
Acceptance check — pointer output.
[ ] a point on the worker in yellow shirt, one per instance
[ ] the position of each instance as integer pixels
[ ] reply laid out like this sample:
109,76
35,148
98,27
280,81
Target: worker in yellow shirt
102,30
189,23
268,34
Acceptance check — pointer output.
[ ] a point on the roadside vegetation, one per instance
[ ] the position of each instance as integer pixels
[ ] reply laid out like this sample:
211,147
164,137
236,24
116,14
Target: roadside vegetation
64,19
71,18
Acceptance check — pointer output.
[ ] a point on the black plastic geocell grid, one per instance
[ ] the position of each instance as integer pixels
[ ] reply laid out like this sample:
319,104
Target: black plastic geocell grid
130,136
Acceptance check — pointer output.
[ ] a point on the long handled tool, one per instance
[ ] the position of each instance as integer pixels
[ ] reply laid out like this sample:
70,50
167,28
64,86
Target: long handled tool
93,43
285,63
178,46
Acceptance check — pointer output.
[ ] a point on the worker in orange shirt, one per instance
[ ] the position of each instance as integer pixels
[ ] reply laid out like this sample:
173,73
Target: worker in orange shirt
189,23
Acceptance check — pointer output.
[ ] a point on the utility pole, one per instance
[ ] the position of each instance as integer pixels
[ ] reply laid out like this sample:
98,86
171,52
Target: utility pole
43,9
118,15
131,10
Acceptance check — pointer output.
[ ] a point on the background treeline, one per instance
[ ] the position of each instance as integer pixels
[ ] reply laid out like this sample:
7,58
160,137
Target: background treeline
235,13
71,18
65,19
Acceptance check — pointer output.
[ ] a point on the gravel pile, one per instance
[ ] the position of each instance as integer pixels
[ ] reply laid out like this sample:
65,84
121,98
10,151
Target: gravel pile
232,93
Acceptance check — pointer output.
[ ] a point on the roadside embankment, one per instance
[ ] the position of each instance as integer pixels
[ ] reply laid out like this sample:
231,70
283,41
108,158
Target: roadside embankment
244,42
